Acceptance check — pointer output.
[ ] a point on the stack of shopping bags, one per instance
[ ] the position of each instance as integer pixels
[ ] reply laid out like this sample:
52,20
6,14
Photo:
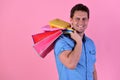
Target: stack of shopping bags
44,42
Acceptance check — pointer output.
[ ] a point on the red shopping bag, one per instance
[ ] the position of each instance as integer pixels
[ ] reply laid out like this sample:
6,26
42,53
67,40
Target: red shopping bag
44,42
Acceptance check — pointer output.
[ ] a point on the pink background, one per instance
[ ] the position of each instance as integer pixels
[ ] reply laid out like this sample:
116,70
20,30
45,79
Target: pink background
19,19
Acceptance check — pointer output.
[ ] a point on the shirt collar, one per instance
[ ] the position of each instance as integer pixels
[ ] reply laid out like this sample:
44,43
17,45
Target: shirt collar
84,38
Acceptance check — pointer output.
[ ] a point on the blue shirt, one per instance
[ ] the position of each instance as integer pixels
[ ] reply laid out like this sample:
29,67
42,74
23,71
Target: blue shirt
85,67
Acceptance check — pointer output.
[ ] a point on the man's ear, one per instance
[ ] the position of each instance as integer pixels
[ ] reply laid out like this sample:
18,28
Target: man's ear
71,20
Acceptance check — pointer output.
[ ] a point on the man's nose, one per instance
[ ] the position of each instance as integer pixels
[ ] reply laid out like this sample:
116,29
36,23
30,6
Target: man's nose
81,22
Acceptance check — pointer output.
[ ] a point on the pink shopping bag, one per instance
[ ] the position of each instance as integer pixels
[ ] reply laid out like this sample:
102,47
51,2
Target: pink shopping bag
44,42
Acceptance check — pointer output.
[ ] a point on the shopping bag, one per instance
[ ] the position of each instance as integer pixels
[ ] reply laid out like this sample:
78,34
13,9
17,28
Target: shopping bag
61,24
49,28
44,29
44,42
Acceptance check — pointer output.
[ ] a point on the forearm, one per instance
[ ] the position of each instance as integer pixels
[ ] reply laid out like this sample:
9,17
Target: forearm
70,58
74,56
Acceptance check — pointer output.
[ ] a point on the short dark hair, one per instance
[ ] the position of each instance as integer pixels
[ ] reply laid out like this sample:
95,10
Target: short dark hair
78,7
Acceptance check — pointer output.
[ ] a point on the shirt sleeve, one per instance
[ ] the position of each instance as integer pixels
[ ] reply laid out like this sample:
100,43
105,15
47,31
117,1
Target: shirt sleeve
61,46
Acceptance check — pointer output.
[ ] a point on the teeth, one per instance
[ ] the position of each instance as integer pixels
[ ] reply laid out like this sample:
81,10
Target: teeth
80,26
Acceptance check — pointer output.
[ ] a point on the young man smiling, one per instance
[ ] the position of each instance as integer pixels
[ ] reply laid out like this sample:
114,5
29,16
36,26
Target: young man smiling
75,54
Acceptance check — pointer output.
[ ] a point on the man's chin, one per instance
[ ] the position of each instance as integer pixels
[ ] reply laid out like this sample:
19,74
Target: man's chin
80,31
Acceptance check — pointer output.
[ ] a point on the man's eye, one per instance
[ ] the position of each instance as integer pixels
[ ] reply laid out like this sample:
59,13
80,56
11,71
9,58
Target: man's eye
84,19
77,19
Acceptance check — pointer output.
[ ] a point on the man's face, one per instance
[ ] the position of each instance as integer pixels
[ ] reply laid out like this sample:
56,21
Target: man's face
79,21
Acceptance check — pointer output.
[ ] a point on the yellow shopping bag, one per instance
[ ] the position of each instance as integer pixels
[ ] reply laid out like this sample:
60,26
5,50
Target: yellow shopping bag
58,23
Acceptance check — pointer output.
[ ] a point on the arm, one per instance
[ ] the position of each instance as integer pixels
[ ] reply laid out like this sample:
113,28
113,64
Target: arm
71,58
95,73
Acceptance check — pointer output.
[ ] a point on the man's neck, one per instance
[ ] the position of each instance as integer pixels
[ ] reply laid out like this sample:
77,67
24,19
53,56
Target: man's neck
81,34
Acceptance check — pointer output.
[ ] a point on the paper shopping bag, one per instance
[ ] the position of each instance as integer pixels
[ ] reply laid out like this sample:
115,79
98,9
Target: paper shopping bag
58,23
48,28
44,42
40,36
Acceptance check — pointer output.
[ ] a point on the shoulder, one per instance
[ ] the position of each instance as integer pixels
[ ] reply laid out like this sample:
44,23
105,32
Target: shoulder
90,42
63,39
63,43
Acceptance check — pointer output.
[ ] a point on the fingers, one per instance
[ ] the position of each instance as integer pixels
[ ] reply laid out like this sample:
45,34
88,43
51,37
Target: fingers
73,32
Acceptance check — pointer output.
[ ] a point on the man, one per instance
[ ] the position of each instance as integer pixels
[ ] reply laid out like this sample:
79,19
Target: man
75,54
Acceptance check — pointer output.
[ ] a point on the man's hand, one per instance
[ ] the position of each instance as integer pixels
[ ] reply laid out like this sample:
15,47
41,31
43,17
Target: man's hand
75,36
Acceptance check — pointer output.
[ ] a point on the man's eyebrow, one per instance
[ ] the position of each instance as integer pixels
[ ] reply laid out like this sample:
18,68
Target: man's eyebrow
77,18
